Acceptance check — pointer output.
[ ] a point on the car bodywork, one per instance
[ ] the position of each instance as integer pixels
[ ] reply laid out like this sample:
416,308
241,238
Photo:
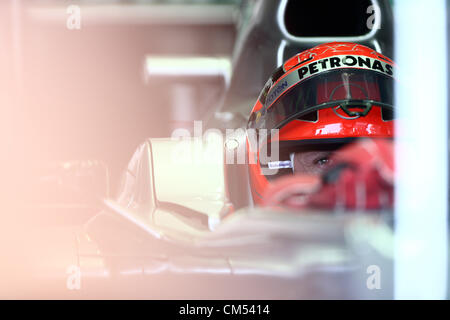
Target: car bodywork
172,242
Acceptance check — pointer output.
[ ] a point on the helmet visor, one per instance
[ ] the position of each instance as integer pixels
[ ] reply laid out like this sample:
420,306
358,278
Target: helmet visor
353,90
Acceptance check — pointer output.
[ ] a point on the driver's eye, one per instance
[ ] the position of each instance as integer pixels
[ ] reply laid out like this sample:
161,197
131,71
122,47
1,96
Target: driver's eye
322,161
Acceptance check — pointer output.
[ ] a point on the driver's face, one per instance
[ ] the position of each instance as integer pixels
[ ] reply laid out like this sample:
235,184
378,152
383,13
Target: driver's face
312,162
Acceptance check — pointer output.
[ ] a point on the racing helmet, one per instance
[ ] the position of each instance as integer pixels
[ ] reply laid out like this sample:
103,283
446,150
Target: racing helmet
327,96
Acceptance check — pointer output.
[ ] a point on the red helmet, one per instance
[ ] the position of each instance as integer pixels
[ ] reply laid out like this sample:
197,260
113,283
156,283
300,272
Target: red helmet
329,94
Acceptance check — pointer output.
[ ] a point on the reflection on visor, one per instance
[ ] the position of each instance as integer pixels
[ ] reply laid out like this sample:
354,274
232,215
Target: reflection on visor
347,88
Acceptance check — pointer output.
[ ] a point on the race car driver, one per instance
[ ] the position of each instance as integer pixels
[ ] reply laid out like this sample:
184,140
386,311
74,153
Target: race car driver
315,106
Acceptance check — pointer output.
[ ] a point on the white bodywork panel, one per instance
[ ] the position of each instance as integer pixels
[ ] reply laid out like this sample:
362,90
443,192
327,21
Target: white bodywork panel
165,176
190,173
